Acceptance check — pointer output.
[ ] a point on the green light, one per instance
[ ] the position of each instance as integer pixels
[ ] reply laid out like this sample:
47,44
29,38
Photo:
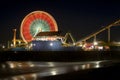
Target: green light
37,26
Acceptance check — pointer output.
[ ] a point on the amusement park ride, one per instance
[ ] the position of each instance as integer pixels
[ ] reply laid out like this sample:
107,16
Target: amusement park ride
38,29
39,32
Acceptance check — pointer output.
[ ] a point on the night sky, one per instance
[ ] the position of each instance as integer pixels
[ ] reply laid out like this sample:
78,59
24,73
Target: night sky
81,18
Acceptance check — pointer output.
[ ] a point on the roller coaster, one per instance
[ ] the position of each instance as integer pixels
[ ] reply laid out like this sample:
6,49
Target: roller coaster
116,23
43,24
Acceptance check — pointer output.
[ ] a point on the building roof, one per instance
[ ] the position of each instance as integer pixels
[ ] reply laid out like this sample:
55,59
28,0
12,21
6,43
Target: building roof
52,33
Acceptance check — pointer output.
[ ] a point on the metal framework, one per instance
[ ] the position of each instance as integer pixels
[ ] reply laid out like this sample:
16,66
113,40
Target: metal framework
101,30
66,38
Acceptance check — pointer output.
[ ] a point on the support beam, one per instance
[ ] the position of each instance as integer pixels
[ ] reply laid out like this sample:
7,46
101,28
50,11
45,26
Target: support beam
108,34
94,38
101,30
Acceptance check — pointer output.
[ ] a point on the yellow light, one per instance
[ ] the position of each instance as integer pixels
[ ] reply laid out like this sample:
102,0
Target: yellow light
53,72
95,43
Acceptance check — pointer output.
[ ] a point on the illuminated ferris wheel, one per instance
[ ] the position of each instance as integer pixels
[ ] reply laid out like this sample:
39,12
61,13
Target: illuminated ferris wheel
35,22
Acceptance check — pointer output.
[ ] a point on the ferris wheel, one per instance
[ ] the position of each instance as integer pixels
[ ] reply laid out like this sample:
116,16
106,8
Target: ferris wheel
35,22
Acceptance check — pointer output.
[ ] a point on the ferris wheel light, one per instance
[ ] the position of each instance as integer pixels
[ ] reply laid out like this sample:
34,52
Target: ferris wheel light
35,22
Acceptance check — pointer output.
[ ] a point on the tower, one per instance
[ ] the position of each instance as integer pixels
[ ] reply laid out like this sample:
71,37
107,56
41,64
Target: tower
14,38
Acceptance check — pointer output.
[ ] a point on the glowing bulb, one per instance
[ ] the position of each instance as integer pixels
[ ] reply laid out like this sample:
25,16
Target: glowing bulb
53,72
95,43
51,44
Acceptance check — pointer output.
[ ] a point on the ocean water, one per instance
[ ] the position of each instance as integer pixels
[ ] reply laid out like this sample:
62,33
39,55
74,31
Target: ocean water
59,65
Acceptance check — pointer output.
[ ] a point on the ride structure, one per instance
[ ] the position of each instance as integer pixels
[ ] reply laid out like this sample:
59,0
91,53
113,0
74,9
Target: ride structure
100,45
40,31
35,22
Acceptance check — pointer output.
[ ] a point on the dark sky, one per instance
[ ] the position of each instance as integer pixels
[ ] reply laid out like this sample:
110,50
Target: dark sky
78,17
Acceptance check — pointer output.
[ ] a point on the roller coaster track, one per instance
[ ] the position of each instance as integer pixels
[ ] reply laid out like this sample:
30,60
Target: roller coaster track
117,23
